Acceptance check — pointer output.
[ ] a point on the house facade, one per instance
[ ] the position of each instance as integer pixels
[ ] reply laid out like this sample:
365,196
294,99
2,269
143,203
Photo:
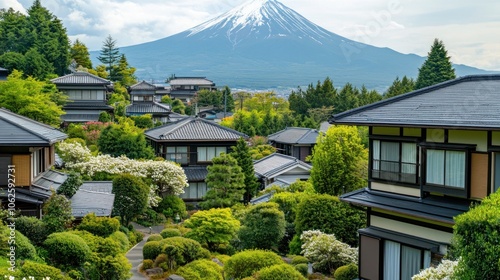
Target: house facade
432,152
27,154
185,88
297,142
87,96
192,143
143,96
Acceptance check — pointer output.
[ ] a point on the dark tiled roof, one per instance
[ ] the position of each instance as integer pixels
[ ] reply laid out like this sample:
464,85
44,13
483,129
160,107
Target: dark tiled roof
81,105
195,81
77,117
441,209
22,196
143,86
85,202
80,78
97,186
195,129
466,102
295,135
276,164
195,173
42,186
18,130
261,199
148,108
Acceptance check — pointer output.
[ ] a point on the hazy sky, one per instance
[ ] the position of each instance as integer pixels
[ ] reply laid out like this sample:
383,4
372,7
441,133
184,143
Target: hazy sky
469,29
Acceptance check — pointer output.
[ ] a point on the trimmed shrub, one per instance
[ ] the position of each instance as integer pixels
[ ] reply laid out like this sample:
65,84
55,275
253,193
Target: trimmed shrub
40,271
302,268
171,205
170,232
295,245
122,239
147,264
65,248
279,272
162,258
263,227
329,215
201,270
151,250
246,263
154,237
32,228
299,259
346,272
101,226
186,250
91,240
24,249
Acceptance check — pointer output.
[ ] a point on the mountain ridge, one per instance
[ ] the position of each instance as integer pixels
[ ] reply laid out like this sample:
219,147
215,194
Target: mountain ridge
263,44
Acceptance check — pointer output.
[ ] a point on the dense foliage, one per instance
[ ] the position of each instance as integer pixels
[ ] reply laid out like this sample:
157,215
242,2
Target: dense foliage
436,68
172,205
71,185
279,272
57,214
67,249
241,152
32,228
201,270
131,197
100,226
246,263
183,250
346,272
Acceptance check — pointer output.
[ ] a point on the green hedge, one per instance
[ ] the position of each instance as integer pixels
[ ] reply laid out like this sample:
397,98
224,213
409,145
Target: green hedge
32,228
170,232
246,263
279,272
122,239
67,249
201,270
101,226
346,272
151,250
40,271
154,237
186,250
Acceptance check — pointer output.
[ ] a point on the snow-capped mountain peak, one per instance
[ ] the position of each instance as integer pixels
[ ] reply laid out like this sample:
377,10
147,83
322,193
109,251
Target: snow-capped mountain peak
260,19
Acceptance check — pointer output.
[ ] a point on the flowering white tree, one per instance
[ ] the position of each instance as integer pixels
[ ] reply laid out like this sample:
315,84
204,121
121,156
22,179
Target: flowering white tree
326,252
167,177
444,271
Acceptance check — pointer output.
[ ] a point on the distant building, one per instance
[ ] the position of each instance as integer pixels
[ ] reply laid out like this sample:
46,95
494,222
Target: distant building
185,88
280,170
143,96
294,141
87,96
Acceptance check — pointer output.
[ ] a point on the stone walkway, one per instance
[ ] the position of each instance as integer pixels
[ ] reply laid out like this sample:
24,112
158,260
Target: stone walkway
134,255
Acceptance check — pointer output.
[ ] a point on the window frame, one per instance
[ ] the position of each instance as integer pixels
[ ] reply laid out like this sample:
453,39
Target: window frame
207,159
447,189
177,153
400,141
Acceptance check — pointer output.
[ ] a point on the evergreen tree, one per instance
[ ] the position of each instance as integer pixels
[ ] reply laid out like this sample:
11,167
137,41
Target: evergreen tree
124,73
241,152
347,99
37,66
436,68
12,32
225,181
110,56
80,54
13,61
229,101
131,197
368,96
399,87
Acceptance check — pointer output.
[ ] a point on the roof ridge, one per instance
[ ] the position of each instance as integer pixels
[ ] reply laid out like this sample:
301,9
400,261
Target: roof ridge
221,126
27,119
82,73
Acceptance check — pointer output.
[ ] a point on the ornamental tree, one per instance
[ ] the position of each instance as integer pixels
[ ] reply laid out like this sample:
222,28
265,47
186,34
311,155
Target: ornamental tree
213,228
57,214
131,197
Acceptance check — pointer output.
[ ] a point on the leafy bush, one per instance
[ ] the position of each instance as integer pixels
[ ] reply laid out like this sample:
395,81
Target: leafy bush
303,268
171,205
162,258
170,232
151,250
295,245
40,271
326,252
122,240
154,237
91,240
279,272
147,264
246,263
327,214
201,270
444,271
24,248
213,228
476,240
346,272
299,259
57,214
65,248
150,218
71,185
263,227
101,226
32,228
186,250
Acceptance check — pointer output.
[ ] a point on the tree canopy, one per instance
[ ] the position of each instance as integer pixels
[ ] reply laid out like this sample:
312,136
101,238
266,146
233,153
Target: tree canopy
436,68
131,197
110,56
241,152
80,53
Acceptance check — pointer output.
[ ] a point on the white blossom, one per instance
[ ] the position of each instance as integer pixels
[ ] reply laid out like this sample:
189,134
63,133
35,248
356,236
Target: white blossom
444,271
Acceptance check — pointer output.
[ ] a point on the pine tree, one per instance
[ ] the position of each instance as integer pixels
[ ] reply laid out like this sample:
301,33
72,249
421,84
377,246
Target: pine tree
110,56
437,67
241,152
399,87
80,53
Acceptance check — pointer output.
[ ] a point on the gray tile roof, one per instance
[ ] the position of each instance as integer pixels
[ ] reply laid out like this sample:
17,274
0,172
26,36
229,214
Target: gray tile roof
466,102
22,196
275,164
85,202
17,130
148,108
78,117
80,78
193,129
79,105
42,186
143,86
195,173
195,81
98,186
295,135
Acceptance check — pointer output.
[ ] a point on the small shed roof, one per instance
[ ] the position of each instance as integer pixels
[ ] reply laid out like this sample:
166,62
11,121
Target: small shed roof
276,164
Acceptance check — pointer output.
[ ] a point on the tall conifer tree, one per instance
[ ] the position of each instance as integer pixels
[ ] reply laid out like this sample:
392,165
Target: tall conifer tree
241,152
437,67
110,56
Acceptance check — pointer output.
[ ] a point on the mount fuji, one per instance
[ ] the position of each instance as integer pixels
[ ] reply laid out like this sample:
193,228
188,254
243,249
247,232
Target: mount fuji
263,44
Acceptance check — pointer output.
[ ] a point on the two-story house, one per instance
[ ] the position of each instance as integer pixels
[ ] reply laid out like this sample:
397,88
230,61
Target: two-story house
294,141
185,88
27,154
432,152
86,96
143,96
193,143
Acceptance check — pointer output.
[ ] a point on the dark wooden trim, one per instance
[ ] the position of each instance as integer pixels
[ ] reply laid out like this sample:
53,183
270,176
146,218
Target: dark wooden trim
395,138
447,146
490,165
400,184
446,136
412,222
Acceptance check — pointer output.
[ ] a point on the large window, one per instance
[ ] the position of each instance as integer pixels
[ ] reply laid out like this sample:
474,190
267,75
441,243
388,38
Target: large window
196,190
178,154
446,168
402,261
394,161
208,153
